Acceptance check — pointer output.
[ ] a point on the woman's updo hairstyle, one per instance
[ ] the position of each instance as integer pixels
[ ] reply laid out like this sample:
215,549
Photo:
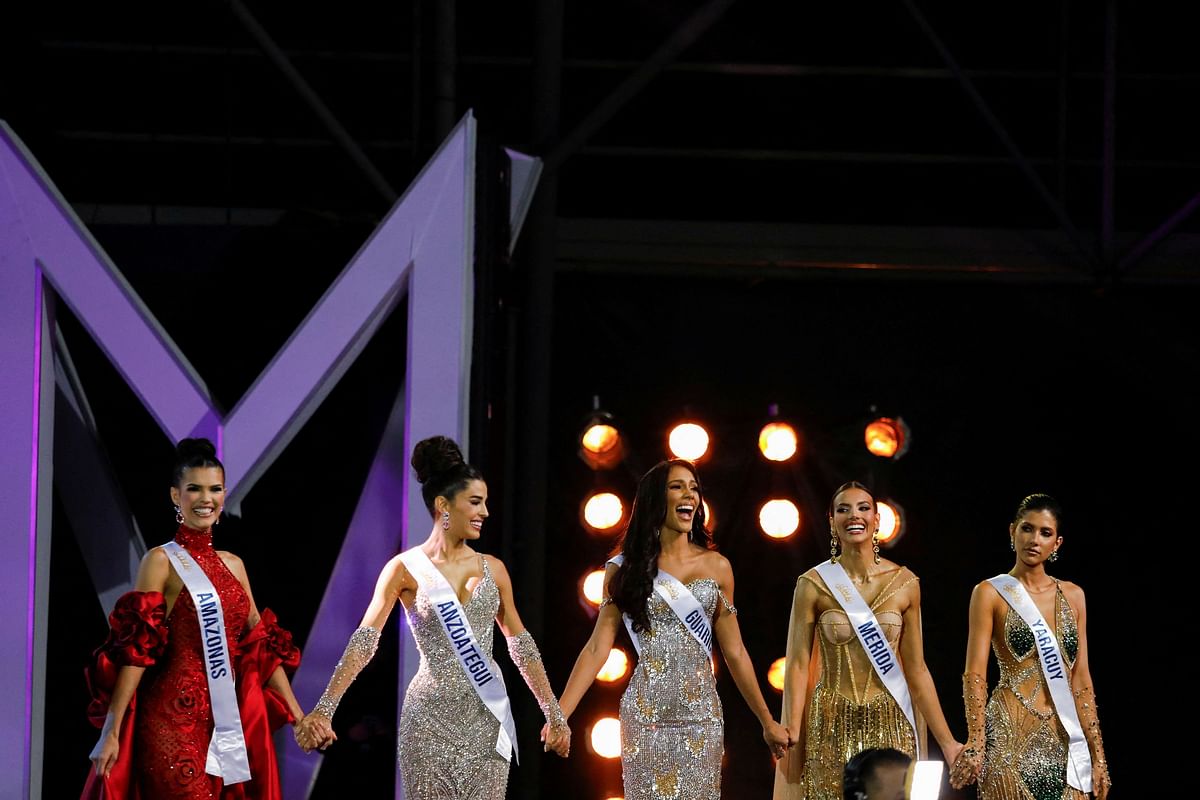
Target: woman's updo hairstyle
191,454
441,469
1039,502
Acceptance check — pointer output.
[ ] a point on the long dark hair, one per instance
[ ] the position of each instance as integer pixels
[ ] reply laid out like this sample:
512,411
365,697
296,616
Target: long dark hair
441,469
633,581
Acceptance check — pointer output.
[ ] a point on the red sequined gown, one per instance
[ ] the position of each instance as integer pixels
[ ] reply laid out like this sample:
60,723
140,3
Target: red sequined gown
166,731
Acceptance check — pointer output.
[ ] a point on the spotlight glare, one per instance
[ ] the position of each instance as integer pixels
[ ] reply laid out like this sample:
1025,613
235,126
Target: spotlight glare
777,441
779,519
891,521
688,440
600,438
606,737
710,522
603,511
775,674
593,586
887,437
615,666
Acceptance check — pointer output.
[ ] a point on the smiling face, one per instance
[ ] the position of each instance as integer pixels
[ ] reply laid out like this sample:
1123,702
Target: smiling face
854,518
468,509
200,496
683,499
1035,537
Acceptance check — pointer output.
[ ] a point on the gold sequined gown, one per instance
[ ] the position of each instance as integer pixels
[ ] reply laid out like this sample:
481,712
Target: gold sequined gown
672,729
1026,755
849,709
447,737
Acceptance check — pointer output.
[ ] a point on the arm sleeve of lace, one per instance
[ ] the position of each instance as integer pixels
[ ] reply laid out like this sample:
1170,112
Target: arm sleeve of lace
974,703
523,651
358,653
1085,705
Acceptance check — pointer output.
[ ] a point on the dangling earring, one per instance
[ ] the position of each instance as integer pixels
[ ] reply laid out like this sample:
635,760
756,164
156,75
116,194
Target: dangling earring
875,542
445,520
179,515
217,521
1012,545
833,546
1053,557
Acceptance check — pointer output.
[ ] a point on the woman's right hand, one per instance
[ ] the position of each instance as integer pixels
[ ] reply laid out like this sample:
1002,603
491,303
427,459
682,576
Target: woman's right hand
109,750
315,731
967,766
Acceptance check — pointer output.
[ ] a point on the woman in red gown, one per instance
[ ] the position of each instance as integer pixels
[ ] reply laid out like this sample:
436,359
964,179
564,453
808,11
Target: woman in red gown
150,691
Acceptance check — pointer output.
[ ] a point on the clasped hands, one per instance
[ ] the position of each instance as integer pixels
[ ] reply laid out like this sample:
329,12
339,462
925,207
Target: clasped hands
779,739
314,732
557,738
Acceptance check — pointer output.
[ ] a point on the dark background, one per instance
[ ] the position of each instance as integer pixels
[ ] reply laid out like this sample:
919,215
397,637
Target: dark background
803,207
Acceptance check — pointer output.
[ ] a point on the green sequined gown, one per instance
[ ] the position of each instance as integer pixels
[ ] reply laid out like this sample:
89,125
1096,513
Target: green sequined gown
1026,756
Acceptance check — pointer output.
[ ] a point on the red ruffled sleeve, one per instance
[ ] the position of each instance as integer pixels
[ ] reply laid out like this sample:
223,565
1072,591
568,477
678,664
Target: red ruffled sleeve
137,637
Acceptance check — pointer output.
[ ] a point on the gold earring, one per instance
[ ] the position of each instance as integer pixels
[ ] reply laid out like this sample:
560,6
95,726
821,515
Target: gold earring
875,542
833,546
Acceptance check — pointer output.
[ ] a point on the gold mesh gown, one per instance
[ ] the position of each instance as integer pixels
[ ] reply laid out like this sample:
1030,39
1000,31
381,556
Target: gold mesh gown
672,729
849,709
1026,754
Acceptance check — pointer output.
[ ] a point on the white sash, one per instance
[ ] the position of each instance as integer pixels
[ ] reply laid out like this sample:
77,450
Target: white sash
482,673
681,601
227,756
870,636
1054,670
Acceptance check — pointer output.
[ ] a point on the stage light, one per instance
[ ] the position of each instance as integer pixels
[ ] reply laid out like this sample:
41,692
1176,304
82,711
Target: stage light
615,666
710,521
600,444
606,738
779,519
891,521
603,511
887,437
593,587
688,440
775,674
777,441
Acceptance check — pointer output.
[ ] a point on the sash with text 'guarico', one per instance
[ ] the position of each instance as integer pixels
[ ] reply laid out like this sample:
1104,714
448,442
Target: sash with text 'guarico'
1054,670
870,636
227,755
682,602
481,671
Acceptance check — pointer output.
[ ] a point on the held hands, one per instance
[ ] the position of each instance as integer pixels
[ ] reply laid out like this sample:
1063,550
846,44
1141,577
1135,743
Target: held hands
778,738
557,738
967,763
315,731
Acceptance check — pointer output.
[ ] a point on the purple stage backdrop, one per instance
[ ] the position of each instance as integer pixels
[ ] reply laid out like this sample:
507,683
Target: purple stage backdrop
424,248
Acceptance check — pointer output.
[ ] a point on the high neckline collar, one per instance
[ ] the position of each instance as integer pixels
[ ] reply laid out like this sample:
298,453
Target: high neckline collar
191,538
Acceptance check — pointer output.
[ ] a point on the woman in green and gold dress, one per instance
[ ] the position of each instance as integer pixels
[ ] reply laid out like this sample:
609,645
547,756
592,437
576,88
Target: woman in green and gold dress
1017,746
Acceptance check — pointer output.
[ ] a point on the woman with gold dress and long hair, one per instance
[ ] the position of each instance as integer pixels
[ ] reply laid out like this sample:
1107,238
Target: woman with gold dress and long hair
675,594
1038,737
855,675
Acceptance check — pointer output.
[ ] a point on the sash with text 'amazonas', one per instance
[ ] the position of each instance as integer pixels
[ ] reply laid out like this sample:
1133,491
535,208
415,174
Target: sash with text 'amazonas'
227,756
870,636
1054,670
682,602
481,671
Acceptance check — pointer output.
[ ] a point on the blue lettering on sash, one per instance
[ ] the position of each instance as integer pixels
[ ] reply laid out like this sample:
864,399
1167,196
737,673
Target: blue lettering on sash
699,626
877,647
468,655
1048,649
214,642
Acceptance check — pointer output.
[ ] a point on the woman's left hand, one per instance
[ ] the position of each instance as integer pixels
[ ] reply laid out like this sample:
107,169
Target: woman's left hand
777,738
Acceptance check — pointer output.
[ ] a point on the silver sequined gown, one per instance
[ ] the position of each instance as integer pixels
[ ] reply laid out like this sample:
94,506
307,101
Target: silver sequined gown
447,738
672,730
